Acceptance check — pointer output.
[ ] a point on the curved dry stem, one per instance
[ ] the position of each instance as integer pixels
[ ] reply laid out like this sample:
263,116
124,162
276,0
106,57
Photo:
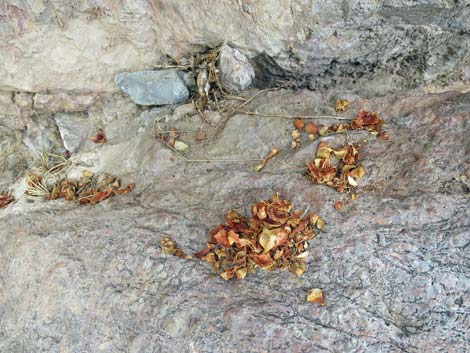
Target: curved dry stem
283,116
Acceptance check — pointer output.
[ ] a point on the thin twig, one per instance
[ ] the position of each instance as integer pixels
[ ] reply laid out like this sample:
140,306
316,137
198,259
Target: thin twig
181,67
269,115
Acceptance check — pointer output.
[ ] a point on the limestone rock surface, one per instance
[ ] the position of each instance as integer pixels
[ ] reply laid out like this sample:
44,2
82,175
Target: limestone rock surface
393,265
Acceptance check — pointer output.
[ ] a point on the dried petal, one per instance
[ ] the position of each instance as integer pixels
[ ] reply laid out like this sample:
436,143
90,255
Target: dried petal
221,238
267,239
315,295
358,172
295,134
352,181
298,267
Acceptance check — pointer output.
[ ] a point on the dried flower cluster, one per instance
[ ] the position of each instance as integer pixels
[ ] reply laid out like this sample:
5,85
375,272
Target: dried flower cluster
5,199
336,168
90,189
274,237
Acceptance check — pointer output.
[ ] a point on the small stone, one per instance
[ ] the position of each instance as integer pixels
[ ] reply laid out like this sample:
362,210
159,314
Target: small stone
153,87
236,71
24,99
188,78
74,129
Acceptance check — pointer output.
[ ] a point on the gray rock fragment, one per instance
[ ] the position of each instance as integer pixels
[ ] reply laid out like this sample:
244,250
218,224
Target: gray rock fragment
153,87
236,71
74,129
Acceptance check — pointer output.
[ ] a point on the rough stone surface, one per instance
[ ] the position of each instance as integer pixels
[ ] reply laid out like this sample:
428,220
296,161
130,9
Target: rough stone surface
62,102
393,265
236,73
153,87
79,46
74,129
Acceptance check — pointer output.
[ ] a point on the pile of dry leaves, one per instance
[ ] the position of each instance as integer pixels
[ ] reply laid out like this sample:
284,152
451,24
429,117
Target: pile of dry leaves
336,168
90,189
339,168
274,237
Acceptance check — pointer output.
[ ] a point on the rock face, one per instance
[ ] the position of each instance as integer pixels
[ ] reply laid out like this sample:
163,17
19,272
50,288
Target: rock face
236,72
153,87
393,265
74,130
47,46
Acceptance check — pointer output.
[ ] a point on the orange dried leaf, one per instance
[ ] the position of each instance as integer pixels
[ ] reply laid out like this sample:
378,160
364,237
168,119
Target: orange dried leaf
221,238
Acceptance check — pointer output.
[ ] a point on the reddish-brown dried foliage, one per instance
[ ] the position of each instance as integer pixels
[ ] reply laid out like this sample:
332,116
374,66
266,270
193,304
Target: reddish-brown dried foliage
338,168
5,199
274,237
90,189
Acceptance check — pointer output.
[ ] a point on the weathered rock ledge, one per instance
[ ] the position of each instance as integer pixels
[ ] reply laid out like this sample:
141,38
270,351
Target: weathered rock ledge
393,265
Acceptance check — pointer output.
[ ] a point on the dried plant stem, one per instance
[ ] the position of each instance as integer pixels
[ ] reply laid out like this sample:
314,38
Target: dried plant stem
239,98
253,97
190,160
181,67
283,116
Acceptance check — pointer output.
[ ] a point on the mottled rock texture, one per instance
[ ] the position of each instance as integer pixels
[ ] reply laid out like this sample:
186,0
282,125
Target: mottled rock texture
79,46
394,264
236,72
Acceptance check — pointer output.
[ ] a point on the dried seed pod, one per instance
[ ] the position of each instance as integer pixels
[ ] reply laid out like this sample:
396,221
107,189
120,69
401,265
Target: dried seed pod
299,124
311,128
